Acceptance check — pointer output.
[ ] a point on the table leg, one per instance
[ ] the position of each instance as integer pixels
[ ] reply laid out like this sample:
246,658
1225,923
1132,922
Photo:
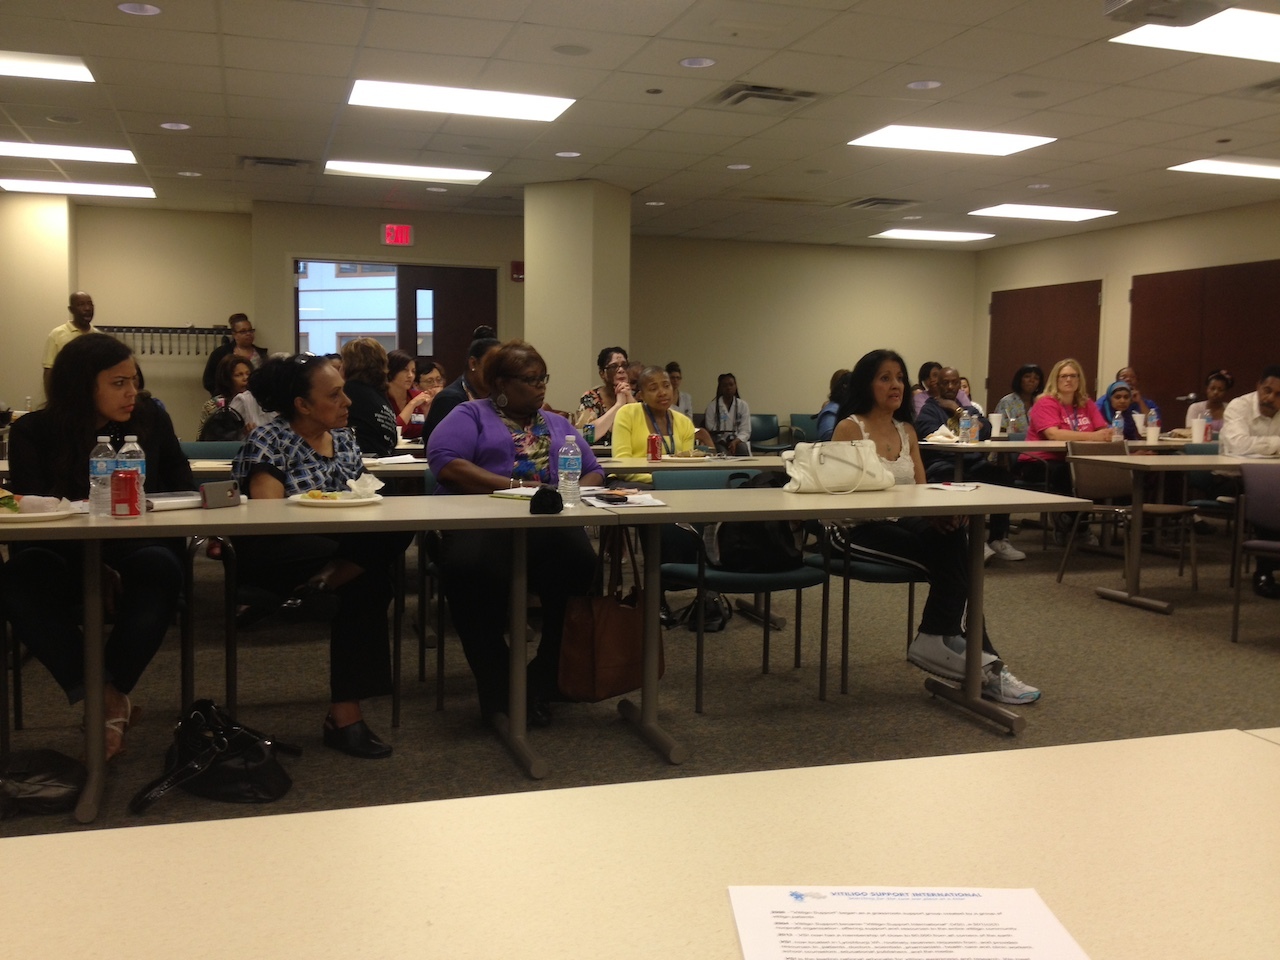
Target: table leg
511,728
646,716
1131,594
969,694
95,732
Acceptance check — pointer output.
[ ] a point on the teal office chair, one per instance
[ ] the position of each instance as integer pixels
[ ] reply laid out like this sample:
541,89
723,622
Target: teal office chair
804,428
765,437
210,449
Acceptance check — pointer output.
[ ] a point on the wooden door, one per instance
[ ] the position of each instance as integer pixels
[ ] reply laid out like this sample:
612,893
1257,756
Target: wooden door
462,297
1042,325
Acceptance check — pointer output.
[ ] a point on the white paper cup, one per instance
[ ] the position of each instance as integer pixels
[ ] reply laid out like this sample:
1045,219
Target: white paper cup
996,420
1153,434
1197,430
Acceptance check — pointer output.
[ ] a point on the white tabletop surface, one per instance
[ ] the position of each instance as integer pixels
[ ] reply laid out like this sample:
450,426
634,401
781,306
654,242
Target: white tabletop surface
641,465
1197,461
1144,849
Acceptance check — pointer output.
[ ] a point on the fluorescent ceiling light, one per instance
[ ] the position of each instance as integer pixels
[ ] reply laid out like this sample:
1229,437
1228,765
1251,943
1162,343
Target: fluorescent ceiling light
50,151
1031,211
1233,167
1247,34
43,66
399,171
953,236
77,189
474,103
944,140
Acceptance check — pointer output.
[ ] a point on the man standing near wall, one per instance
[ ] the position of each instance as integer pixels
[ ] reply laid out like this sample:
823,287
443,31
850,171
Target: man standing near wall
81,307
1251,426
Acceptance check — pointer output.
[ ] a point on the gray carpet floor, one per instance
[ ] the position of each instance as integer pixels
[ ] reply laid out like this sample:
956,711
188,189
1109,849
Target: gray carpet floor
1107,671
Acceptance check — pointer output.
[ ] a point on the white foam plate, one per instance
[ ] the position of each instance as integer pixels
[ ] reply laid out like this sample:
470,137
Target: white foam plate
344,500
7,517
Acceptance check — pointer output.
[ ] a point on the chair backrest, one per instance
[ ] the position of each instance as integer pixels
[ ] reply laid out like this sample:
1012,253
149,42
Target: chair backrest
210,449
1094,482
806,424
1202,449
1262,494
692,478
764,426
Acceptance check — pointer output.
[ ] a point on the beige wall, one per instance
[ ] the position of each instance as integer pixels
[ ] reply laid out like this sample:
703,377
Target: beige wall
783,317
1239,235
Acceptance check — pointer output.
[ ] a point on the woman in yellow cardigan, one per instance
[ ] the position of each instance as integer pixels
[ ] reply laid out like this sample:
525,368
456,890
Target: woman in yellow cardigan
654,414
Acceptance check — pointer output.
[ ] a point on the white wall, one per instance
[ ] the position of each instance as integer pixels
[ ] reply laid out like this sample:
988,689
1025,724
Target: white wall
783,317
1238,235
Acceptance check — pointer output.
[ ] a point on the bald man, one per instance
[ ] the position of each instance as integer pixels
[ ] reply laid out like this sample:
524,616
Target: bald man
80,306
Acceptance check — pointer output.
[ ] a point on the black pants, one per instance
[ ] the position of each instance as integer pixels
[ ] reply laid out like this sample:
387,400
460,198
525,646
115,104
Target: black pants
359,652
475,569
980,470
43,599
945,556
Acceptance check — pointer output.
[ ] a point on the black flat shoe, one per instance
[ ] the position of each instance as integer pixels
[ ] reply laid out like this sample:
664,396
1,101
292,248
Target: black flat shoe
311,601
355,739
253,614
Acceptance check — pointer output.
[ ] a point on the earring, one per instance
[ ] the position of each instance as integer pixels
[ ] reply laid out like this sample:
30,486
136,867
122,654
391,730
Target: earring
500,400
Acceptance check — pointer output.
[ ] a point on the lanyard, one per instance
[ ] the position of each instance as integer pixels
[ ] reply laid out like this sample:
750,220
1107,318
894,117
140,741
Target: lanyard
669,441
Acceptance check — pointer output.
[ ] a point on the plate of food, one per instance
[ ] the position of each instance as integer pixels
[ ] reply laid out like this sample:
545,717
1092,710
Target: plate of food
318,498
37,509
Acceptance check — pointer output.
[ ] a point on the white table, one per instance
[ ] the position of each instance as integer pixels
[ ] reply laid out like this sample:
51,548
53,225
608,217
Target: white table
1148,849
1139,467
641,465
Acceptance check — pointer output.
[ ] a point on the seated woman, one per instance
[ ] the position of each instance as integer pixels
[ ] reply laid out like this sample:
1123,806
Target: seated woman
230,378
599,405
495,444
654,414
879,408
408,403
364,366
1118,401
347,576
93,392
1027,382
728,418
1216,387
836,395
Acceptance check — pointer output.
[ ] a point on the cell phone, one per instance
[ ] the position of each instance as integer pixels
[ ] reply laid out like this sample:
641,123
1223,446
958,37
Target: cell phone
610,497
219,493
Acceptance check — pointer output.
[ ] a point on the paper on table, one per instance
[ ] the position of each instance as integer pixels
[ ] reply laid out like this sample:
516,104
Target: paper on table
398,458
952,487
633,500
869,923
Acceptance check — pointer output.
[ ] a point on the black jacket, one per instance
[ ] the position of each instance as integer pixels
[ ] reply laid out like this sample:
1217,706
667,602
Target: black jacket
372,419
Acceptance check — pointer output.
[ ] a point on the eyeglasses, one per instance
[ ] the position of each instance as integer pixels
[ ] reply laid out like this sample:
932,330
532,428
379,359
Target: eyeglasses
1068,376
535,381
615,367
432,381
244,330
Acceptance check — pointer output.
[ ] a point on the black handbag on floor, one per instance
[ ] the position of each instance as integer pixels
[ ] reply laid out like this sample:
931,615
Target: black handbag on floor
39,781
213,756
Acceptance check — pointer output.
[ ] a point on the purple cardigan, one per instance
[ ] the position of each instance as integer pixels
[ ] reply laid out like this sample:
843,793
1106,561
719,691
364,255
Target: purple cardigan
473,431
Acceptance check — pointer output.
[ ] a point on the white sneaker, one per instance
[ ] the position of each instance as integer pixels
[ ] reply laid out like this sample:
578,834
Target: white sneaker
1006,550
938,655
987,552
1001,685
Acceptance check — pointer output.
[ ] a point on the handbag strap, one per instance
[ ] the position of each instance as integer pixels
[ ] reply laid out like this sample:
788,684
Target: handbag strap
817,474
180,774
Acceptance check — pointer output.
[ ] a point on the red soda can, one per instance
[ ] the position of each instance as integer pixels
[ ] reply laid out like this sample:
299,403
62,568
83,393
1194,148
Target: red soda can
125,502
655,447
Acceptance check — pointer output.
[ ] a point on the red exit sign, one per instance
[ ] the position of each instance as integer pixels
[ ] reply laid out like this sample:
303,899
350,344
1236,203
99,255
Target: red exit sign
397,235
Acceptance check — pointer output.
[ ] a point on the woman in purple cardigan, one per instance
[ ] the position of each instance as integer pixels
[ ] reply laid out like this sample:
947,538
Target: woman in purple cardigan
504,441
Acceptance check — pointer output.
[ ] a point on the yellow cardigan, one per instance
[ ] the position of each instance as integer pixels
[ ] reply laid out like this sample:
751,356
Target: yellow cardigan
631,431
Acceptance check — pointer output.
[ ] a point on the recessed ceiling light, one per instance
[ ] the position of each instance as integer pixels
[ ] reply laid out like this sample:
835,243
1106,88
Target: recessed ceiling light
1233,167
567,154
138,9
437,189
190,173
399,171
655,203
176,125
52,151
697,63
1247,34
944,140
64,120
738,166
914,216
949,236
1039,186
474,103
43,66
924,84
571,50
77,189
1030,211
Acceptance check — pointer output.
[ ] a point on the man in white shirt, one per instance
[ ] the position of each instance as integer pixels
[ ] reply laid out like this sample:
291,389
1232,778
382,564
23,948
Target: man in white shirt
81,308
1251,425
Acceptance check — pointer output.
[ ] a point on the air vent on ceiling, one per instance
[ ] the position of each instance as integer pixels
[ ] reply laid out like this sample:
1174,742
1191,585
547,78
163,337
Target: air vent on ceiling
753,97
879,204
1165,13
277,164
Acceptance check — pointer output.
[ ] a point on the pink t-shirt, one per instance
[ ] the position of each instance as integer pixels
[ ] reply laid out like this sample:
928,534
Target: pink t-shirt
1048,413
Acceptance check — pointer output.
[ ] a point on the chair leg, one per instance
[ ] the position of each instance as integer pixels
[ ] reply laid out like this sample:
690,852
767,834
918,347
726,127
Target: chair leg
799,610
1071,542
911,610
844,637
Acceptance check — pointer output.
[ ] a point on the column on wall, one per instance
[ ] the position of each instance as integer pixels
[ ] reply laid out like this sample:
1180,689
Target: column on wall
577,244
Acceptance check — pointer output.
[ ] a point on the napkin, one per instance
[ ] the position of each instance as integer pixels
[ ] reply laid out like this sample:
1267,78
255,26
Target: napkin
30,504
942,435
365,485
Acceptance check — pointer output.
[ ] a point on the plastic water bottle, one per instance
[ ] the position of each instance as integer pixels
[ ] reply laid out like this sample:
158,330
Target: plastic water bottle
966,426
1208,425
1117,426
569,470
102,460
131,457
1153,426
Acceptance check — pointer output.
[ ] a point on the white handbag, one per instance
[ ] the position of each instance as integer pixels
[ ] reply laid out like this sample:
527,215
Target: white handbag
847,466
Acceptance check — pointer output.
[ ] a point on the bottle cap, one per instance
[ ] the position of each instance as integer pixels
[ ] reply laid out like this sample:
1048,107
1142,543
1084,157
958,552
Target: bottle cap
130,438
104,439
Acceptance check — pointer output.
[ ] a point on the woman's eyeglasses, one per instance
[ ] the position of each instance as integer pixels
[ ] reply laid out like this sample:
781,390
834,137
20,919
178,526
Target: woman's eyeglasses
432,381
535,381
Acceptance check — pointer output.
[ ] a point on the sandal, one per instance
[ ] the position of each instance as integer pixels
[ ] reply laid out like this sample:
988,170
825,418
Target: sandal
118,726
